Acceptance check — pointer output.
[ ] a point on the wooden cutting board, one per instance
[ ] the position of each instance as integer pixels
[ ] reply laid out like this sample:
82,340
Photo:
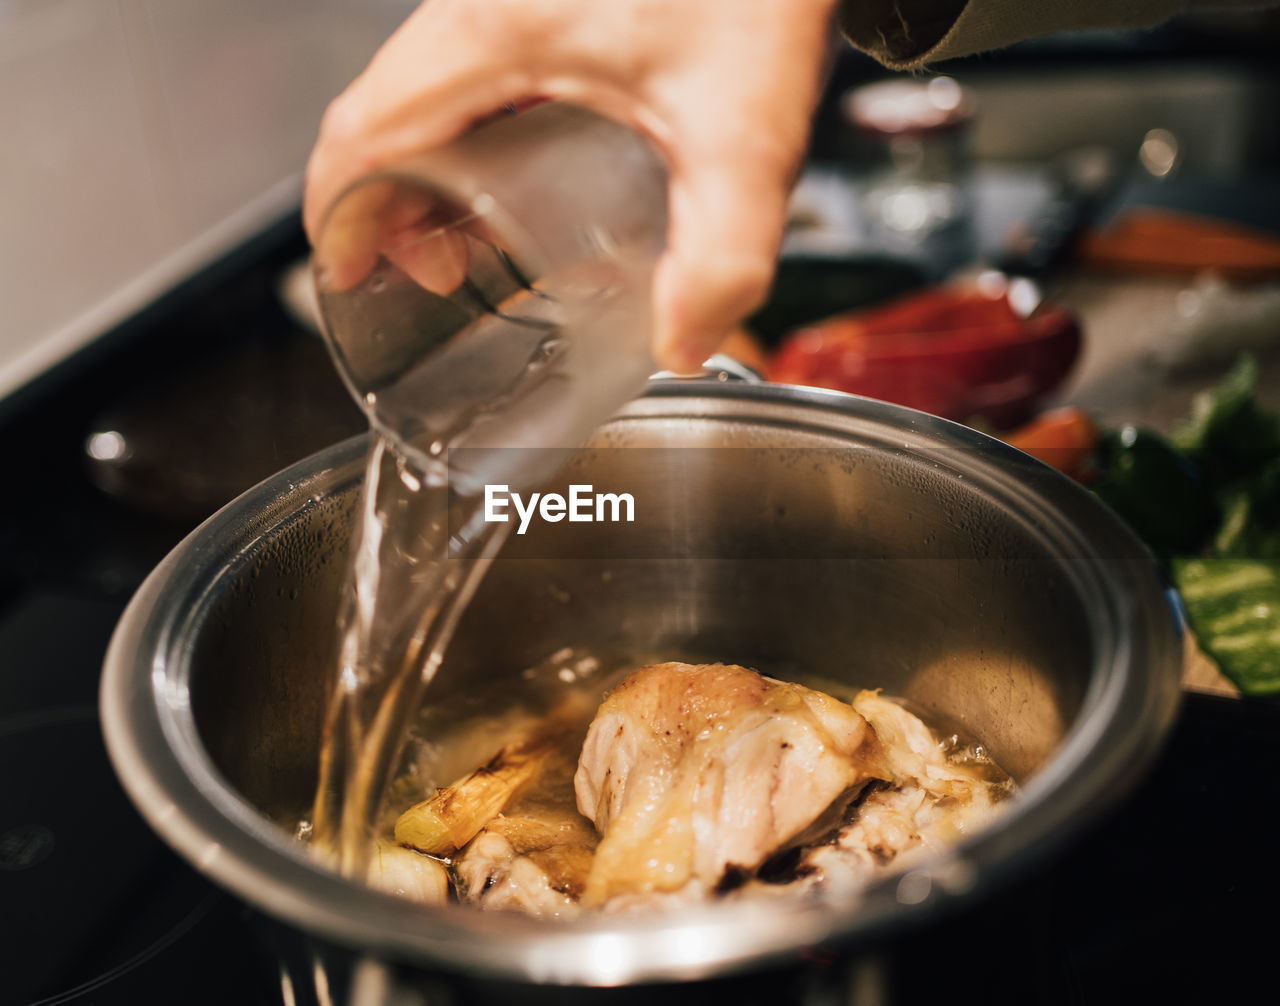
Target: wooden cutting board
1200,674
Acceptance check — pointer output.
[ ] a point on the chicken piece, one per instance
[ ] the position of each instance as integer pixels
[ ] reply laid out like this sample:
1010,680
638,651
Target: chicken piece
930,803
522,864
689,770
913,756
887,823
883,826
890,830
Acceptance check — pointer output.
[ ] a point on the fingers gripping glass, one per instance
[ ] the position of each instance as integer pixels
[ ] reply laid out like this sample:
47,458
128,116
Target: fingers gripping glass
496,292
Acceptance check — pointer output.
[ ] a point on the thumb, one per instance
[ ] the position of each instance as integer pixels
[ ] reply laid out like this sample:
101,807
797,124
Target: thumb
727,214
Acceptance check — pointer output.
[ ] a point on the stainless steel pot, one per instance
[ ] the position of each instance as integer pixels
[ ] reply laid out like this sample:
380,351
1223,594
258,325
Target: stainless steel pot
785,529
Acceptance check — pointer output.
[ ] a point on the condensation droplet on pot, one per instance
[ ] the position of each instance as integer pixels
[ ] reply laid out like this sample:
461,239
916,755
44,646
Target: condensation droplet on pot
436,448
914,888
559,593
566,675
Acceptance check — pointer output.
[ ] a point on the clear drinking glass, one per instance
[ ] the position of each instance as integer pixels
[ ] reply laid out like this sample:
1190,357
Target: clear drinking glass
509,303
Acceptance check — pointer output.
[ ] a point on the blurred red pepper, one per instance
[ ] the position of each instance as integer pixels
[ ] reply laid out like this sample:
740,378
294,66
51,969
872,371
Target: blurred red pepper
961,354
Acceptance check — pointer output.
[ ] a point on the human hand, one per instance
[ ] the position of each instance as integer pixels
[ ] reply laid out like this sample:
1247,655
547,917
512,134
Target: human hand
724,89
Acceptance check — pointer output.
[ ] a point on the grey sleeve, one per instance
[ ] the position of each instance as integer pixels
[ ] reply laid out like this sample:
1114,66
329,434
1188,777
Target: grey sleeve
905,34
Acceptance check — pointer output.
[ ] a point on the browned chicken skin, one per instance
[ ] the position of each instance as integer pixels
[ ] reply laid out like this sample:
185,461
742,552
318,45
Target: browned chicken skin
714,780
689,770
528,865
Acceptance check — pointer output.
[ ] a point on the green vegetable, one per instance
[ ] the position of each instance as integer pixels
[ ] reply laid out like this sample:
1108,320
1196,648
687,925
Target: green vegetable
1233,606
1155,489
1209,504
1229,436
1250,526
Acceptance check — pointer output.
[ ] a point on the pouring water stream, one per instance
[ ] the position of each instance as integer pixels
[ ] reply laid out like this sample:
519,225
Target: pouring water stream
421,544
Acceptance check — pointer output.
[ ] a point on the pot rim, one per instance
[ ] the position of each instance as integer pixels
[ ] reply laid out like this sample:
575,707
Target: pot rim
1125,714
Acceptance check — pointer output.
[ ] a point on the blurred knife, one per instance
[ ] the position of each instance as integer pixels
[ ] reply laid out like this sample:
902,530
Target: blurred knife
1084,181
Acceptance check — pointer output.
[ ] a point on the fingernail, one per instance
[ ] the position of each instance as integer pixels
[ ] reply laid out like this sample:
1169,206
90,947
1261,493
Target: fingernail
688,356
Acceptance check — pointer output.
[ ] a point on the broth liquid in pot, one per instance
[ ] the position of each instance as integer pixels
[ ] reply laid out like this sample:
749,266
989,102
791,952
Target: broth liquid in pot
537,853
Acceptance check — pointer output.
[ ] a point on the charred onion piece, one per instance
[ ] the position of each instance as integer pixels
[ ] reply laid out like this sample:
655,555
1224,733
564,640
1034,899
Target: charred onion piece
454,815
406,873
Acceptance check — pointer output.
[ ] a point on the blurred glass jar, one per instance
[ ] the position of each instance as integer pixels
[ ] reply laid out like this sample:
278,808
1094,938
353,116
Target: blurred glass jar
917,201
495,293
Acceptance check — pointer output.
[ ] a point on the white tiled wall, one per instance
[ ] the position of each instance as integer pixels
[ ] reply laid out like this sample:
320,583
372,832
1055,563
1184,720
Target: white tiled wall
139,139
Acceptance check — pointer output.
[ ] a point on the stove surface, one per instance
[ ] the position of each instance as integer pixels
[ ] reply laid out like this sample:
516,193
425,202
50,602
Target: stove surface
96,908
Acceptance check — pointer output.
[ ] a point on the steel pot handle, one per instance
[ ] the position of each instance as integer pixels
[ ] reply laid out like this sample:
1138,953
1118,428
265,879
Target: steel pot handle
719,368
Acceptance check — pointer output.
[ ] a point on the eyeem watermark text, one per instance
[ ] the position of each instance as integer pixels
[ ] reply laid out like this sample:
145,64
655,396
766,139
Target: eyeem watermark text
583,505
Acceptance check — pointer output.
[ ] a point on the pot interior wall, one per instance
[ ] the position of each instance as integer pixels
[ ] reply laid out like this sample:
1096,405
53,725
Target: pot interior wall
866,566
